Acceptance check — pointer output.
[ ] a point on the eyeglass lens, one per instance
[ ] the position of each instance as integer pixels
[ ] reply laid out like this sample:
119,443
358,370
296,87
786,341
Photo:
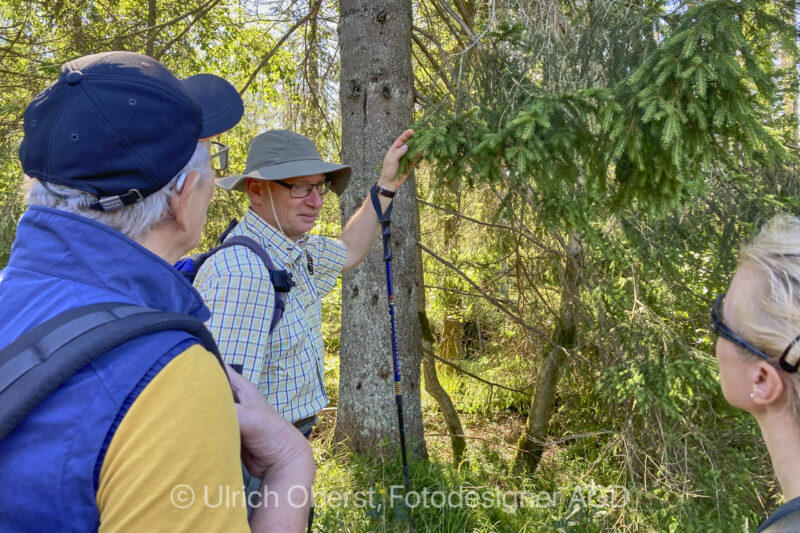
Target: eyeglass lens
218,156
301,190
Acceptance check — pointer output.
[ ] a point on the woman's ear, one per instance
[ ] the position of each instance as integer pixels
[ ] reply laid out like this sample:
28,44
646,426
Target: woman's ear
767,384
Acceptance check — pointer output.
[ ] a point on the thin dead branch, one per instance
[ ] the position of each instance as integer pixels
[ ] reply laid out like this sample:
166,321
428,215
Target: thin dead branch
311,12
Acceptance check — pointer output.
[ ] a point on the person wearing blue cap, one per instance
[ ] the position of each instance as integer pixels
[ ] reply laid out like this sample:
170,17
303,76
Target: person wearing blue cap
146,437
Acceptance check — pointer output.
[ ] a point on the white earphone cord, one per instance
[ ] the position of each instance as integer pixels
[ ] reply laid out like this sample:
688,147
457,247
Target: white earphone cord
272,204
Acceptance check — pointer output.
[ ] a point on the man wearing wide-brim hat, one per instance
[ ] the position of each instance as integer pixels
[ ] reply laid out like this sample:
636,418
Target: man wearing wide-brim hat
285,180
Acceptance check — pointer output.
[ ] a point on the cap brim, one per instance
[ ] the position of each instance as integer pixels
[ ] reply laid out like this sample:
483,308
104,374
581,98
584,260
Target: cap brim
219,100
338,174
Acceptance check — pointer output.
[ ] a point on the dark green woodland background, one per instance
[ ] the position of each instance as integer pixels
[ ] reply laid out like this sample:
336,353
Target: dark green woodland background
590,169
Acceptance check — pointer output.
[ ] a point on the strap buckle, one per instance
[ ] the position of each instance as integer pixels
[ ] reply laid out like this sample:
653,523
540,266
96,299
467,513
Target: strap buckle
112,203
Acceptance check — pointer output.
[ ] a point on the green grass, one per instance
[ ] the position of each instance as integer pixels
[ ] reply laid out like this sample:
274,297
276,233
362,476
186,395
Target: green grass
359,494
609,479
654,428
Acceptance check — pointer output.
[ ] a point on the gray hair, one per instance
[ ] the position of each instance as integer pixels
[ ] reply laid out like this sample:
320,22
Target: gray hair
770,318
134,220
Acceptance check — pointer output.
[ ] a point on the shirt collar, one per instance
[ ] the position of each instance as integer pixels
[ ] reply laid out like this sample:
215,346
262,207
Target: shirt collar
286,250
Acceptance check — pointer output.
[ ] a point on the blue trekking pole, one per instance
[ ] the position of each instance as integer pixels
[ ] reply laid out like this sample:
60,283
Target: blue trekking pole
385,218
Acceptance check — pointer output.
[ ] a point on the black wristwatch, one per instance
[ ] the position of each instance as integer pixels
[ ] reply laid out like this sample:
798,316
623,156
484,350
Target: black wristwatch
384,192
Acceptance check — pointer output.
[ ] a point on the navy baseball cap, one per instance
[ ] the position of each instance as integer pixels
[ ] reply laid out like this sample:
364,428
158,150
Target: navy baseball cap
120,126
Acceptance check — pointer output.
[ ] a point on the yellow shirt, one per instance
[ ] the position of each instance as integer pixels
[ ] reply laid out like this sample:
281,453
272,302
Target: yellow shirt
174,462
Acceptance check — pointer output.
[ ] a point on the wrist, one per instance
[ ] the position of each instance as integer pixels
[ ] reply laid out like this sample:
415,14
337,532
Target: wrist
297,463
385,190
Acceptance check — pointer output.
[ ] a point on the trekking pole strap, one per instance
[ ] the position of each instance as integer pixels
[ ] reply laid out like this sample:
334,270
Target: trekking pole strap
384,217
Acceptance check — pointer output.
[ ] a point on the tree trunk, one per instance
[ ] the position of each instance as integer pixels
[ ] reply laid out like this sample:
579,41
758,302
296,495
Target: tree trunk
309,109
432,384
376,93
437,392
788,59
152,18
531,442
450,342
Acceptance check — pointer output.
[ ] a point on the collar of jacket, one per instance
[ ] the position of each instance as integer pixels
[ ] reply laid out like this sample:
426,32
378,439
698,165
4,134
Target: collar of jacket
75,248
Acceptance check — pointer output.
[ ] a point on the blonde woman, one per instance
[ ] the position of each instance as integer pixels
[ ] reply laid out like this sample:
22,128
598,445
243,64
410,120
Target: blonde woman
758,324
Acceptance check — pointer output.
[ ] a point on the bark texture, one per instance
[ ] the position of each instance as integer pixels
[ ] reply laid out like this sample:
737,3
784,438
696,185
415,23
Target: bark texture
532,441
376,93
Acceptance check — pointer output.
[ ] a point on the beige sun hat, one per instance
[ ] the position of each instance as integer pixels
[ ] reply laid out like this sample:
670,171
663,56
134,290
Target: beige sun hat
283,154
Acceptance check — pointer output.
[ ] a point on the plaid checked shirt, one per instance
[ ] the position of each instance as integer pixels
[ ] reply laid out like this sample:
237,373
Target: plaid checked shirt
288,365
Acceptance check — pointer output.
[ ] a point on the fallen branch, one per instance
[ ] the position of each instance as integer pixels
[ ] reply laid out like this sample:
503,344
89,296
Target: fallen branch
494,301
475,438
545,444
482,380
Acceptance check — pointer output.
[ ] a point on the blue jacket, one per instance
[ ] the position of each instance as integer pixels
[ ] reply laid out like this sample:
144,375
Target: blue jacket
50,464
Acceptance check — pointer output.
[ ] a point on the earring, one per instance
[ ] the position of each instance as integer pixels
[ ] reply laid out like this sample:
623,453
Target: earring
179,183
752,395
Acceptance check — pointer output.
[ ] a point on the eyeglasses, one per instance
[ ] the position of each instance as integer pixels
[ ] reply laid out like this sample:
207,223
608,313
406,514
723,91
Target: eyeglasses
719,327
301,190
218,156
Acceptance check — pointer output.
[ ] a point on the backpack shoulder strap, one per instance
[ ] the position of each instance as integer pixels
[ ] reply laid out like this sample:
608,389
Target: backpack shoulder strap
43,358
281,279
789,522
